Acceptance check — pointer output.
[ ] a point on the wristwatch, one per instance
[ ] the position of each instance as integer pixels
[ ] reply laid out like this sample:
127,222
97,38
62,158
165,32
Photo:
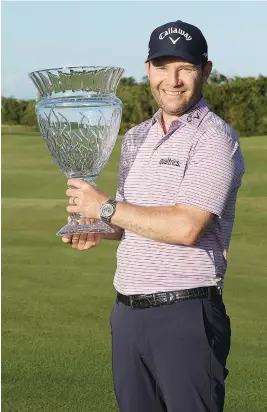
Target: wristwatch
107,210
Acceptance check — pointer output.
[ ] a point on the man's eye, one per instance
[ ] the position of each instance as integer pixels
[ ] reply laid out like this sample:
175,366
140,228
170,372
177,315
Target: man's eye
161,68
187,69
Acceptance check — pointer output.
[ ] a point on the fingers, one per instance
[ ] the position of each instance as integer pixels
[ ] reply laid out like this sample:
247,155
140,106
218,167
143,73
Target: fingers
66,239
83,241
76,183
79,241
89,242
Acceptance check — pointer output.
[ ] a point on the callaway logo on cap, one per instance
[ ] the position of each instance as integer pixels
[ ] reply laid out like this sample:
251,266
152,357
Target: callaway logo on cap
178,39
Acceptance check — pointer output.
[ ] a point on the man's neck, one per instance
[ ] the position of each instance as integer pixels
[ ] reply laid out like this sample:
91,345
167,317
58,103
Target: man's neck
167,119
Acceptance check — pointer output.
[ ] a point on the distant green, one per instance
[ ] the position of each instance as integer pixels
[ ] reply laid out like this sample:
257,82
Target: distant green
56,302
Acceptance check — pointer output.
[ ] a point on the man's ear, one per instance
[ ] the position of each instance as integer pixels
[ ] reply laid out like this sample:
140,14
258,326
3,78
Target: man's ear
147,67
207,71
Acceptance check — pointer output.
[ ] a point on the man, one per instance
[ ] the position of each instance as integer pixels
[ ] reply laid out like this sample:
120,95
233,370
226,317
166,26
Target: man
179,176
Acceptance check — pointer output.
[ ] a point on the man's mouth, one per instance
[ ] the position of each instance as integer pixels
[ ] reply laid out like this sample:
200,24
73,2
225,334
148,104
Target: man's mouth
173,93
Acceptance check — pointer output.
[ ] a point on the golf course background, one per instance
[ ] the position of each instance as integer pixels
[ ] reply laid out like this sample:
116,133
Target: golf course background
56,301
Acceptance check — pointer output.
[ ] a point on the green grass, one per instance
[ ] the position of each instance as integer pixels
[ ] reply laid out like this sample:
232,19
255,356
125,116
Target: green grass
56,302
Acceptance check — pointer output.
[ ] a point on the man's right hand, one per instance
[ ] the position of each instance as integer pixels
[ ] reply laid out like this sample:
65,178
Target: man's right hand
83,242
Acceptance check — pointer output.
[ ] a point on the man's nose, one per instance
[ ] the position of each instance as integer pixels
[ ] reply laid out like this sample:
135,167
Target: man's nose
174,79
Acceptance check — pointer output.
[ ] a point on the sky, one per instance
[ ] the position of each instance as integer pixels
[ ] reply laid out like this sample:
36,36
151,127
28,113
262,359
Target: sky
48,34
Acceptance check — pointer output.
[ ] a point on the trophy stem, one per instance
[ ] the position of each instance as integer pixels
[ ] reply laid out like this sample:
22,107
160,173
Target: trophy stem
72,228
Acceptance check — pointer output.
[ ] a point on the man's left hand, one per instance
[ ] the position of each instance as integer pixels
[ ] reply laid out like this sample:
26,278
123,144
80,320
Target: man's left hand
85,200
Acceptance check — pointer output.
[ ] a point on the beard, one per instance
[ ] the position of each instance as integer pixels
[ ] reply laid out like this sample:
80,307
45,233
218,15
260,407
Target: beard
177,108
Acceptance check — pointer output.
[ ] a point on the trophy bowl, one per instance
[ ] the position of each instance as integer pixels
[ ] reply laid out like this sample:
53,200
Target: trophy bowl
79,118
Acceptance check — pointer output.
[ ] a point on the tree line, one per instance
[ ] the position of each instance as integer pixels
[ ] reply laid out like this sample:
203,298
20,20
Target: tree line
240,101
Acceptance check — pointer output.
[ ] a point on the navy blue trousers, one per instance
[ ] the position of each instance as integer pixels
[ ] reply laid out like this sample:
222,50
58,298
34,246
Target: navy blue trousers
170,358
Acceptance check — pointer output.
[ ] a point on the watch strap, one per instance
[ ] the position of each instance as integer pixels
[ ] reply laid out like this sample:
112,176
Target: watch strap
113,203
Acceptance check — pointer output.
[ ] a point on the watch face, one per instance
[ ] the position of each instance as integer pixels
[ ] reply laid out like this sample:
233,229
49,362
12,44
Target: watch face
107,210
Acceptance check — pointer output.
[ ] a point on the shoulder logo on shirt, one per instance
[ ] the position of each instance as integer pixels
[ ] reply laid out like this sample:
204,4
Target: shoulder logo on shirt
192,116
169,161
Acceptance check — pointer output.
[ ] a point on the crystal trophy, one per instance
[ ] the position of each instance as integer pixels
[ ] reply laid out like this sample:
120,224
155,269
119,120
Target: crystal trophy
79,118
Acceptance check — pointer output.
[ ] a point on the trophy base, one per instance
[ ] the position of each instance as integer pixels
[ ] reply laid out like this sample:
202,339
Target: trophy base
97,227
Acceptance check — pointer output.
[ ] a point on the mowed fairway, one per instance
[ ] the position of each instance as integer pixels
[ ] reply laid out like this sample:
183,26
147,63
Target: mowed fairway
56,302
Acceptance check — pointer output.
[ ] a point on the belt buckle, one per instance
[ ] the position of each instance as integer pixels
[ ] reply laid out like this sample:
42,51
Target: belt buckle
219,290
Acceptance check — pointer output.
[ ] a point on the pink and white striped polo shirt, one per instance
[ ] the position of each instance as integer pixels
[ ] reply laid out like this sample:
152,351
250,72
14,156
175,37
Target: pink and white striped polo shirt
199,163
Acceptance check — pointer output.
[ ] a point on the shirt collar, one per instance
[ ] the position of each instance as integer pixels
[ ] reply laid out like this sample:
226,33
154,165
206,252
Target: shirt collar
192,117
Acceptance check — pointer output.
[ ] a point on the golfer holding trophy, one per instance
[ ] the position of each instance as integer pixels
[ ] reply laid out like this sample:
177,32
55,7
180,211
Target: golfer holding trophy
179,175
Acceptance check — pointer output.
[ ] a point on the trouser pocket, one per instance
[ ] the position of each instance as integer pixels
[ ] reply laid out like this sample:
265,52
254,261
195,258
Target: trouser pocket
217,330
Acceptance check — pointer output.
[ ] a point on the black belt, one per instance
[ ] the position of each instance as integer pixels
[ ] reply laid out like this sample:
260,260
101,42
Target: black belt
167,298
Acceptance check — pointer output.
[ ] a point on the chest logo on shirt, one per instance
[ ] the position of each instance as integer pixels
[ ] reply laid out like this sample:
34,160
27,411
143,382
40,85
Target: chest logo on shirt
169,161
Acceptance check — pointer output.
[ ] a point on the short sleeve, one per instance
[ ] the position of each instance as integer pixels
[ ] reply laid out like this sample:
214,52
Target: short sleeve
213,172
119,196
